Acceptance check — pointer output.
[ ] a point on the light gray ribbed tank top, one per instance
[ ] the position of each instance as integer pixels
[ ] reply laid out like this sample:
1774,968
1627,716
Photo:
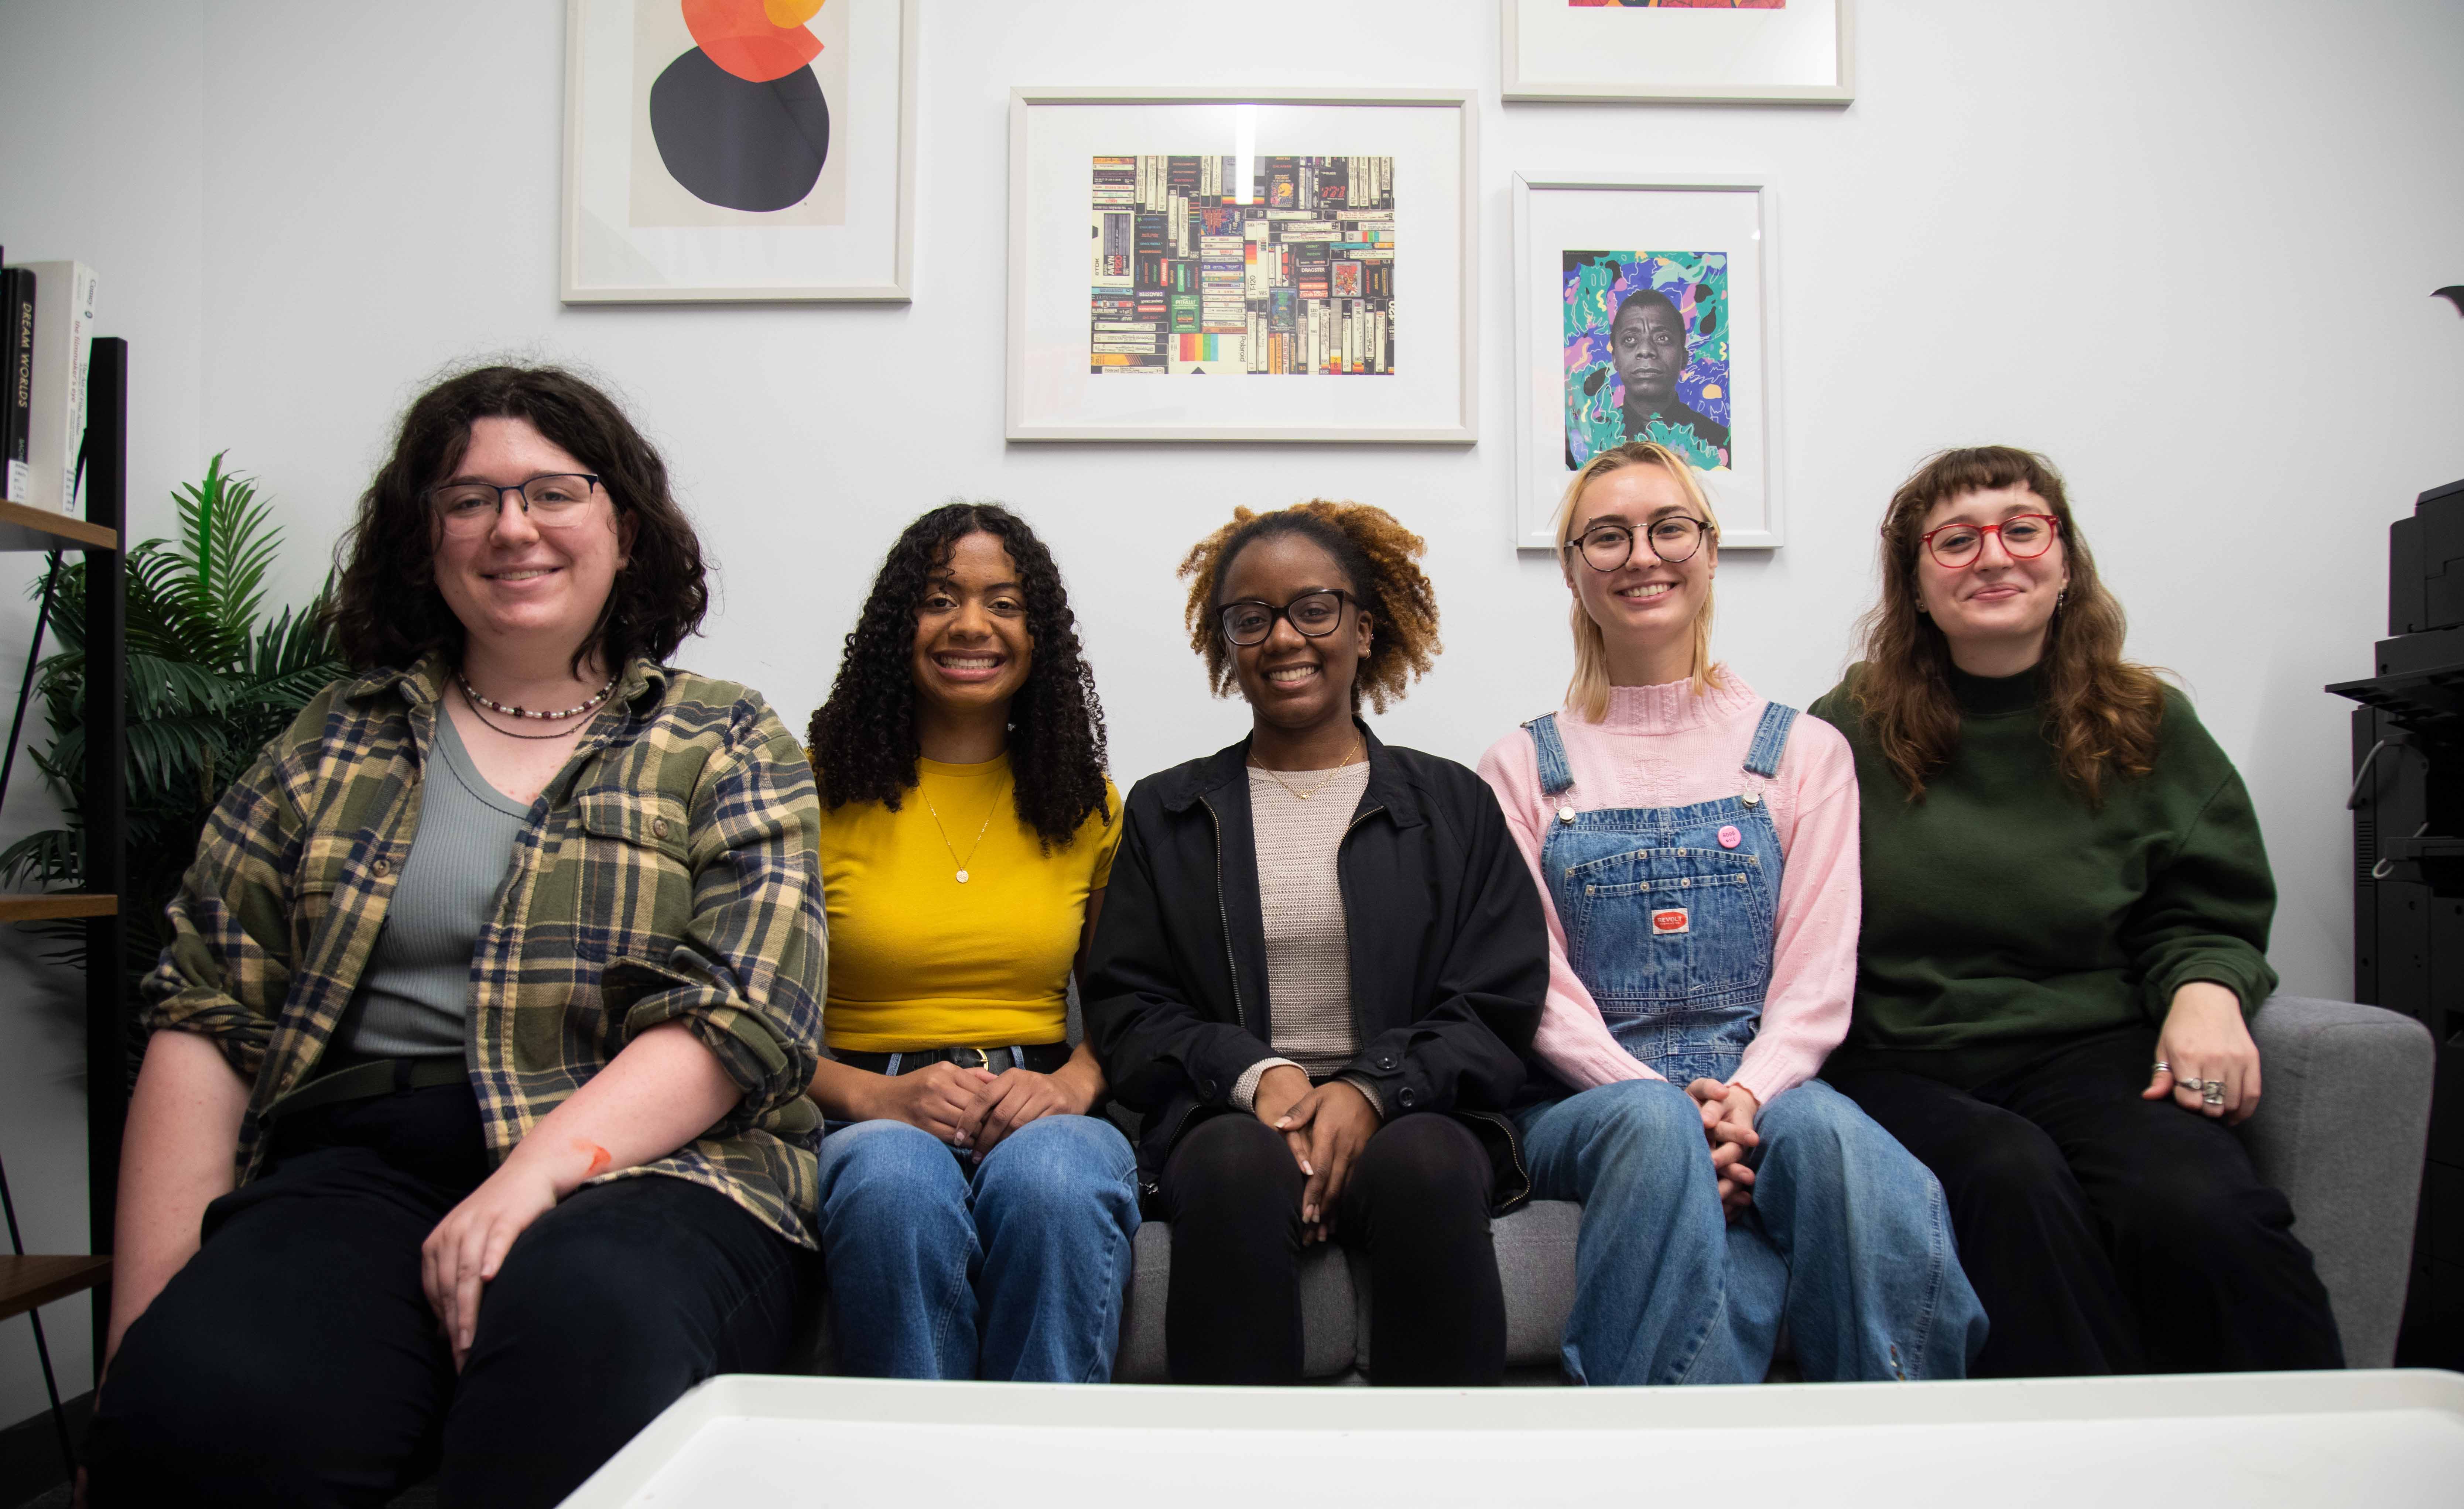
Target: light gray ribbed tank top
414,1000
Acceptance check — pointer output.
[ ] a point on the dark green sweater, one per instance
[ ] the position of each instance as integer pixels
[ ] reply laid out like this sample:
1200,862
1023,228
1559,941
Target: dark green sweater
2004,913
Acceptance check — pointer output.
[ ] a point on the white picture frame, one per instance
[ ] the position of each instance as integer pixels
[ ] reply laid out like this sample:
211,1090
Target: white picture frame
632,233
1564,227
1801,53
1404,361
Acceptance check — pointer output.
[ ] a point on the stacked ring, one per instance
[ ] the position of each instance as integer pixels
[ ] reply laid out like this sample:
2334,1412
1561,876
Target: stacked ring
2215,1095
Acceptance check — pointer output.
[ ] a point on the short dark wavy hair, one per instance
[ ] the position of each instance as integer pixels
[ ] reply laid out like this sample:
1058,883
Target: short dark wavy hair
387,610
1368,545
863,739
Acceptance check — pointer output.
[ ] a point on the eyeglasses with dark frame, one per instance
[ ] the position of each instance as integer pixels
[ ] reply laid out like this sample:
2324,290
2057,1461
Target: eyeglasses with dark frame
1959,544
553,500
1674,539
1313,615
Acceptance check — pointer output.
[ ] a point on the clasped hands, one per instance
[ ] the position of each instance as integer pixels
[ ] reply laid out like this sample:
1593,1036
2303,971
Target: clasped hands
1728,1113
1326,1126
973,1109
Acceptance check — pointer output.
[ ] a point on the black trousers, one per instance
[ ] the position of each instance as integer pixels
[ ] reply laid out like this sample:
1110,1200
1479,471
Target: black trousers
1417,1205
294,1360
2106,1233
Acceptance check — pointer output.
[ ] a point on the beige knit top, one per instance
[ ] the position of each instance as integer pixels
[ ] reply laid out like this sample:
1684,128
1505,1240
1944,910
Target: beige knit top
1308,966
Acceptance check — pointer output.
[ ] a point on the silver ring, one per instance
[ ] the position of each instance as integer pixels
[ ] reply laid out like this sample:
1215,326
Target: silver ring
2195,1086
2215,1095
2162,1068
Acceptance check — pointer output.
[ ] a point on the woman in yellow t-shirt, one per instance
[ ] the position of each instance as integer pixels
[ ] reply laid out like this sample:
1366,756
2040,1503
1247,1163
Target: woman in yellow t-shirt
976,1217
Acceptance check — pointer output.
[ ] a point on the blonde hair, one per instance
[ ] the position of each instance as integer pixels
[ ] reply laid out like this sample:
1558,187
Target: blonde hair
1588,693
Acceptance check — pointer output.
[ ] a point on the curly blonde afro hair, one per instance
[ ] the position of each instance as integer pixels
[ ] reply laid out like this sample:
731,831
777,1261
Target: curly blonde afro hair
1380,557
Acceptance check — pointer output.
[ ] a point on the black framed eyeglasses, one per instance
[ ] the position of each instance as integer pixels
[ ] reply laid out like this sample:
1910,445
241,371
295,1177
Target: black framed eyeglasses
1672,537
1312,614
553,500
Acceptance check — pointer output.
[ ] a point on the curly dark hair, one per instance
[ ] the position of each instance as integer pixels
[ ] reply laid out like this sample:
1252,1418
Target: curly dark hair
1380,557
387,610
863,739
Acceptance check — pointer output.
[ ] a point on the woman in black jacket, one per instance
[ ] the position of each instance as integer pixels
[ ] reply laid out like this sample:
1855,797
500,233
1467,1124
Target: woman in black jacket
1319,963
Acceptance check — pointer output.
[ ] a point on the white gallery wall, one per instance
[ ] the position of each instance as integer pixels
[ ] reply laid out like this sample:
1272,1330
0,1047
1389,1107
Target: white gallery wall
2185,247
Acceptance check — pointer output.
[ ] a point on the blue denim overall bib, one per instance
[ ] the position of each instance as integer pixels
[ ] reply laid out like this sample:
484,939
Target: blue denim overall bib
1670,915
1670,912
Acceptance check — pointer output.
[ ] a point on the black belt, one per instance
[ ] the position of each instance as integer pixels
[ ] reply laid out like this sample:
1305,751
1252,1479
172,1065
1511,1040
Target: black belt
1041,1057
367,1079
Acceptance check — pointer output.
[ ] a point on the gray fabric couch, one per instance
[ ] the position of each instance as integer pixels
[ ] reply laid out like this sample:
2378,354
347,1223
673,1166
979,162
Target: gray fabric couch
2339,1129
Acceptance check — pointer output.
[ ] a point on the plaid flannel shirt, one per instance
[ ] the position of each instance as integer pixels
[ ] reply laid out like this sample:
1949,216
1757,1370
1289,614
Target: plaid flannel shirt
671,872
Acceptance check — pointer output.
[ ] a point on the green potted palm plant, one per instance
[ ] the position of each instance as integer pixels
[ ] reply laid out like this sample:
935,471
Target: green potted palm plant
211,677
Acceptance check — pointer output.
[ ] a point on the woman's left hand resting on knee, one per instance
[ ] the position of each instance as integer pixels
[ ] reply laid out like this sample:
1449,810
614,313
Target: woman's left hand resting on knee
1338,1120
2206,1039
661,1092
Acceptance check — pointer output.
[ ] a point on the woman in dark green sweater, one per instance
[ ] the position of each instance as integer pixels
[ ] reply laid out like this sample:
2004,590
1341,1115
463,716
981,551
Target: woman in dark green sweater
2065,928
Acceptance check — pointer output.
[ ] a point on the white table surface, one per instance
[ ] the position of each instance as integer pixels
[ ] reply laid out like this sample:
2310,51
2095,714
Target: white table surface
2386,1440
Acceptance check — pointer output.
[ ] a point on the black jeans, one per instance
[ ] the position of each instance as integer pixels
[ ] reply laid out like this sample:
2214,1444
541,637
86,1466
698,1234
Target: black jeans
1417,1204
2104,1233
294,1360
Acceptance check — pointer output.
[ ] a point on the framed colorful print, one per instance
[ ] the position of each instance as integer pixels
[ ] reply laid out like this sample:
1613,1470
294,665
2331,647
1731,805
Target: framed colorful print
739,150
1644,310
1784,51
1284,265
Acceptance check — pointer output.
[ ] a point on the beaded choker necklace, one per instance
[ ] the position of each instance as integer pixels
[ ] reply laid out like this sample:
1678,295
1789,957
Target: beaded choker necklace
511,711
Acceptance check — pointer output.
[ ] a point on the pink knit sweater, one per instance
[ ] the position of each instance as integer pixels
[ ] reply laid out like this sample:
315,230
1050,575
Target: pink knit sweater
1665,747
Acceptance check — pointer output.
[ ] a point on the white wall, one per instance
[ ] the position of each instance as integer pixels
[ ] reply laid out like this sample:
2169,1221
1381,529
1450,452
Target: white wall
2186,249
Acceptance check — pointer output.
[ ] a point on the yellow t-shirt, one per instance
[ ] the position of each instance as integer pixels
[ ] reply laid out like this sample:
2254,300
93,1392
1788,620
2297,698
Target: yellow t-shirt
919,960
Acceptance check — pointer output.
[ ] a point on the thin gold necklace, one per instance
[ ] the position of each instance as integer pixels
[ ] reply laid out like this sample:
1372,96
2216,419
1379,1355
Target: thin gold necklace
945,832
1303,796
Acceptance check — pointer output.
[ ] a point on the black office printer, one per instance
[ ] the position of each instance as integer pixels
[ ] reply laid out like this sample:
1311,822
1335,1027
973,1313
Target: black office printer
2408,805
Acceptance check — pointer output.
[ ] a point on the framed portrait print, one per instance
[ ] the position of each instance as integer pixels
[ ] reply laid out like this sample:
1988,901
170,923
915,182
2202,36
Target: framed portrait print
1643,310
1768,51
739,150
1278,265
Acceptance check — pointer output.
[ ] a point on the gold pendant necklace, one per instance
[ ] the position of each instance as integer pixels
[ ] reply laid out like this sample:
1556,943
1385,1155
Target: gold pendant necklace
945,832
1303,796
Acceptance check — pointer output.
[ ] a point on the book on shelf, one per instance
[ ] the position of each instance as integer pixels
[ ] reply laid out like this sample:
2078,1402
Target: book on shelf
56,412
16,383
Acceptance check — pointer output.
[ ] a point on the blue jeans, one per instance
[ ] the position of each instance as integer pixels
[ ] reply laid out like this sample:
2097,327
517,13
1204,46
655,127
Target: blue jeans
1014,1274
1849,1242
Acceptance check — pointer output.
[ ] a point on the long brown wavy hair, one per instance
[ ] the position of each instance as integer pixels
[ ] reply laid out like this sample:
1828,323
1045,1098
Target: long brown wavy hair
2102,711
1365,542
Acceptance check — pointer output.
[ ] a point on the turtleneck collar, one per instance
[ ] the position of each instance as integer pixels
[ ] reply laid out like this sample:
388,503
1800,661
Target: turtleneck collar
1983,696
1673,707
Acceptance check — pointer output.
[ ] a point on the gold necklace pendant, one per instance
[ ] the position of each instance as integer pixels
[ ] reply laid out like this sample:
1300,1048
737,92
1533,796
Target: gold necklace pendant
962,864
1303,796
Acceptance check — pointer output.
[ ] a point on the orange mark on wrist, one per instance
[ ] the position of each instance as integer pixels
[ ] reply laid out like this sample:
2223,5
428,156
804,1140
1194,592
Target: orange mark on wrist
599,1156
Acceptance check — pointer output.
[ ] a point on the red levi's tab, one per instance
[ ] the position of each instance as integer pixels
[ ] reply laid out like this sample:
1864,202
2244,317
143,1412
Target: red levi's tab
1665,920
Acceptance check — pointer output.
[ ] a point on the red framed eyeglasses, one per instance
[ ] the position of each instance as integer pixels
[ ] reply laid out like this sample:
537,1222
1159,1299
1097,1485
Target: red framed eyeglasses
2024,537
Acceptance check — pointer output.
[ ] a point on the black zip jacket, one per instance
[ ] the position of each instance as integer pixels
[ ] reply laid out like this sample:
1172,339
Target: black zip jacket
1448,950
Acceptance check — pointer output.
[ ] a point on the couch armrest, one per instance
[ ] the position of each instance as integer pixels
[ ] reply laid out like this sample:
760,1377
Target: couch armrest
2342,1115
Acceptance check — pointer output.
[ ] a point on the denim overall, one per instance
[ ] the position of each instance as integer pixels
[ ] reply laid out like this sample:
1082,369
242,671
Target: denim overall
1670,912
1670,915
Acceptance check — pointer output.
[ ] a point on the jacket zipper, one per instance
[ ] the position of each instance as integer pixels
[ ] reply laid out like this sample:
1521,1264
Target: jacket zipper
1352,987
1223,917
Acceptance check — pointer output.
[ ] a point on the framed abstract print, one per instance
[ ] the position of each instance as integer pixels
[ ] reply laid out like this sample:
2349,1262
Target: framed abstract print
1278,265
739,150
1643,310
1769,52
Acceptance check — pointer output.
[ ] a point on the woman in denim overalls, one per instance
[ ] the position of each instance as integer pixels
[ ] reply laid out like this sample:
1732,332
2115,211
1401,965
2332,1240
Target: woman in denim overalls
1697,849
